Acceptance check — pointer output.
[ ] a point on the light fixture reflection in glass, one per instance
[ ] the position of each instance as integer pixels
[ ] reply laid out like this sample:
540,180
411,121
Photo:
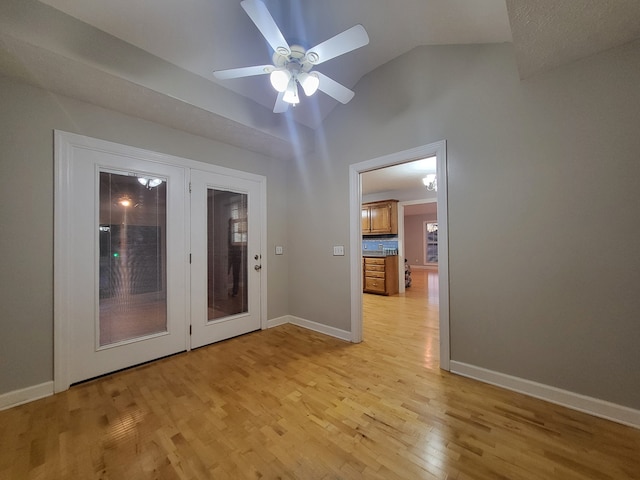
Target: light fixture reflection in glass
149,182
125,202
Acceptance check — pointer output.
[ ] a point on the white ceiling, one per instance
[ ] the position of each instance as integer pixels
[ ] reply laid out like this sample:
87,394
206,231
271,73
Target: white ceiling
156,59
550,33
405,176
201,36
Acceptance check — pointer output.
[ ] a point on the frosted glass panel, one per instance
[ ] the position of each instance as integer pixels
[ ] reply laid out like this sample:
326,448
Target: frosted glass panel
226,253
132,232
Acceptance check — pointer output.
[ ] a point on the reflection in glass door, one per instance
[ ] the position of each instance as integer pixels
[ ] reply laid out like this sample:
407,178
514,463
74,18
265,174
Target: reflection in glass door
132,270
226,253
226,265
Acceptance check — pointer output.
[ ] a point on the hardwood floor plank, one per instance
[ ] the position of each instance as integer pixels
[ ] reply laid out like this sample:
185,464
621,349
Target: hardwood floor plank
288,403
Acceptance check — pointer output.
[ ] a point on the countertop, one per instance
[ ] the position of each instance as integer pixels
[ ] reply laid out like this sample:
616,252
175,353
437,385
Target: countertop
378,253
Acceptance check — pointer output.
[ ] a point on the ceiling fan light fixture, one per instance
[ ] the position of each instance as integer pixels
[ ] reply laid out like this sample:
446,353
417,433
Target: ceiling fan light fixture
292,63
431,182
291,94
280,79
310,82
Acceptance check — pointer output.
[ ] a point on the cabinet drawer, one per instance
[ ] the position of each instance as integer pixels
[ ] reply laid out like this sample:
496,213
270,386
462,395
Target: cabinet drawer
374,274
373,261
374,284
374,268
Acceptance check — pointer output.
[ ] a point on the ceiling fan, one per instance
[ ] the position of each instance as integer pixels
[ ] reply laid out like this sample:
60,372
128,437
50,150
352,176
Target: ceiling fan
292,64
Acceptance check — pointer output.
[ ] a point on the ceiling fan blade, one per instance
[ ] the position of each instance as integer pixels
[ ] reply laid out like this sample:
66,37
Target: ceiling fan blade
344,42
243,72
260,15
334,89
281,106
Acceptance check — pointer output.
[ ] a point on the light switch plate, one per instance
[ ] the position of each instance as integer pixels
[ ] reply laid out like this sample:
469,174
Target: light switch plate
279,250
338,250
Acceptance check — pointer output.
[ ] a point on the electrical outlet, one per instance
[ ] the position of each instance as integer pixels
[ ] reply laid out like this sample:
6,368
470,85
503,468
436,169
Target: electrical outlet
338,250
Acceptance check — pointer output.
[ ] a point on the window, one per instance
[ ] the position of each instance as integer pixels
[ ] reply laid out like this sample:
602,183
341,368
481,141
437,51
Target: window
238,222
431,242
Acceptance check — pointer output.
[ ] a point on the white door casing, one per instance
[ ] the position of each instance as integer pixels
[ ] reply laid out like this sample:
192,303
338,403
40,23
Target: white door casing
439,149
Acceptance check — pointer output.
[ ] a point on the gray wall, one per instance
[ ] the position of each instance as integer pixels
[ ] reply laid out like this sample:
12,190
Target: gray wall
543,208
543,199
27,119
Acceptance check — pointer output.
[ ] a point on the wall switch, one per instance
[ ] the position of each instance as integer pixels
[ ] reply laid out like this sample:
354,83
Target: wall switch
279,250
338,250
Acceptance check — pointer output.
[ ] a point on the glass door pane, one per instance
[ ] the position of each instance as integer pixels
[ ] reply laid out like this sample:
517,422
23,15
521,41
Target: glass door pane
132,249
227,235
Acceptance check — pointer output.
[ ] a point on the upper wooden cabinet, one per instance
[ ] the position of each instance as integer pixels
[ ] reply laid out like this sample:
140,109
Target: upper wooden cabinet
380,218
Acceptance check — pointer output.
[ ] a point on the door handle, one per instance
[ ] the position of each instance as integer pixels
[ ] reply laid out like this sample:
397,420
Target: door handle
257,267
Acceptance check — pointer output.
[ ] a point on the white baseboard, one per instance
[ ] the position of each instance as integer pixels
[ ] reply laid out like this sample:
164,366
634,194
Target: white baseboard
308,324
29,394
593,406
274,322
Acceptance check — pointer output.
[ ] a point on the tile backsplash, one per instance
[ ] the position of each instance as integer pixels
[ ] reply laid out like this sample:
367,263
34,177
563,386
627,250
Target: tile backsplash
378,244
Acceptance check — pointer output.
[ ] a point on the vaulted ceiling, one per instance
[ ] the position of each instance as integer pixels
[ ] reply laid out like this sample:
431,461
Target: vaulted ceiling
155,59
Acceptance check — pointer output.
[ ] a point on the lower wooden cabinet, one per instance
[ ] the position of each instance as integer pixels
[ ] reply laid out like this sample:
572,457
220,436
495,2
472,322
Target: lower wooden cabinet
380,275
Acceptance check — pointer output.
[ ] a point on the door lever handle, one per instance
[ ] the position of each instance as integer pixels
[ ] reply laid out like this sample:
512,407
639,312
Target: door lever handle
257,267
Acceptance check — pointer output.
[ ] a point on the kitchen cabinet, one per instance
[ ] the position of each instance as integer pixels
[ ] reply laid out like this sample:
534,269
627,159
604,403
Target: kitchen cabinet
380,218
380,275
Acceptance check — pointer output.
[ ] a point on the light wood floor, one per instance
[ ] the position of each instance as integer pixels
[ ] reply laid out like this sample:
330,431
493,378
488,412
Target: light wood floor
288,403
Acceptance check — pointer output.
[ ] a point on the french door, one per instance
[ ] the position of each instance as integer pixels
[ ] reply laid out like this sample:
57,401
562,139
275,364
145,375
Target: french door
122,233
226,260
140,261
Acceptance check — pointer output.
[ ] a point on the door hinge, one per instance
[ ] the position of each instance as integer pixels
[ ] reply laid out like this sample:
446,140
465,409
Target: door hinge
190,327
189,259
189,187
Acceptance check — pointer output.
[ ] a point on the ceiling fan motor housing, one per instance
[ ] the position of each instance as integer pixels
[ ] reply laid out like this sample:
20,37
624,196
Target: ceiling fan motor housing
293,69
298,60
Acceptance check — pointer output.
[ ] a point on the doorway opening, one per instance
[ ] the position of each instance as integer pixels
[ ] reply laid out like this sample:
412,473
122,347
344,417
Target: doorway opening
438,150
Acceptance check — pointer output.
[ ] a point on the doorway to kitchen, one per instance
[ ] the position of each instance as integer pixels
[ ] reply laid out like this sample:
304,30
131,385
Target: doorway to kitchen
438,150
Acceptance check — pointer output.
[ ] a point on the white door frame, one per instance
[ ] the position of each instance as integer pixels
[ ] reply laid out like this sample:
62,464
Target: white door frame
439,149
64,144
